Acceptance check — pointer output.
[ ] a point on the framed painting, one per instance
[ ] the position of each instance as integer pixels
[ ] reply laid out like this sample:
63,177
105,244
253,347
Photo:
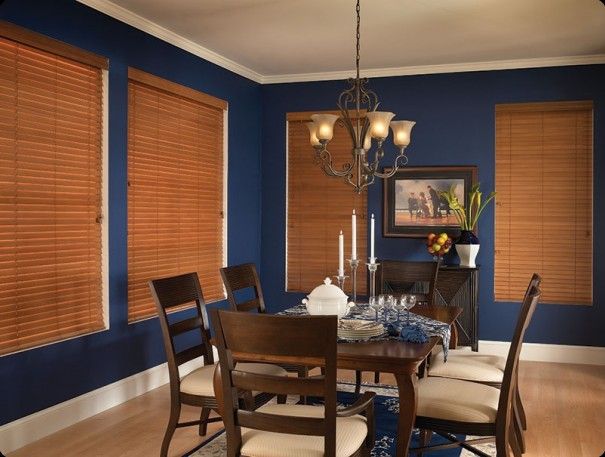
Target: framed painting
412,205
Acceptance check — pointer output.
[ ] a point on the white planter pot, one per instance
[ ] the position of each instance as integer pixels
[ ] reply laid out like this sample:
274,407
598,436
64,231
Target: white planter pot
467,254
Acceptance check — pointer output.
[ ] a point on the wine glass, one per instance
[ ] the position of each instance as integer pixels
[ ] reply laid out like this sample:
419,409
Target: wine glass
389,305
373,302
410,302
401,305
381,302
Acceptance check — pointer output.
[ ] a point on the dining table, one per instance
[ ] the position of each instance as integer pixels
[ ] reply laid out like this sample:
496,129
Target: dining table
392,355
400,358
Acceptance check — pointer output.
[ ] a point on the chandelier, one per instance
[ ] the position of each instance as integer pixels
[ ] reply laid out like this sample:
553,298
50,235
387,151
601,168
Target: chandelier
353,103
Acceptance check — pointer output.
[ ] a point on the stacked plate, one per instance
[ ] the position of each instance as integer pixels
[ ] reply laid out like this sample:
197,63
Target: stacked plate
356,329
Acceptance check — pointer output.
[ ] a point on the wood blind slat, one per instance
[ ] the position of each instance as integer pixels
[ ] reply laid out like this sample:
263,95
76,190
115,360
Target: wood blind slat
175,188
544,201
50,196
319,206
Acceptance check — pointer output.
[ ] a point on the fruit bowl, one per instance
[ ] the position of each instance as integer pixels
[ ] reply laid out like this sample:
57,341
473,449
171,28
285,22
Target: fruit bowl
438,245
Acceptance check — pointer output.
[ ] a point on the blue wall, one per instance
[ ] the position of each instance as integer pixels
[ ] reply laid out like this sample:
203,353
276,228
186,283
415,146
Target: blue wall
455,126
38,378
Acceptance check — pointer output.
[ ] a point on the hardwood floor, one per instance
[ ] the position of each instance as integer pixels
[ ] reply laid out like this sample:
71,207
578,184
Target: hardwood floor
564,405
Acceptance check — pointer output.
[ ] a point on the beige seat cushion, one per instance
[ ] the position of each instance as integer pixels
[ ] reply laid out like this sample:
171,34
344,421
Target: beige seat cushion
350,434
200,380
455,400
471,366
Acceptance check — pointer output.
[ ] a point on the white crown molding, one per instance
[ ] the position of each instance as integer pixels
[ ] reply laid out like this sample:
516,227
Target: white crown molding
139,22
442,68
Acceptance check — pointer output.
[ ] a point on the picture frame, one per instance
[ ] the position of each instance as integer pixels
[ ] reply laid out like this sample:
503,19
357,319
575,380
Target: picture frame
409,195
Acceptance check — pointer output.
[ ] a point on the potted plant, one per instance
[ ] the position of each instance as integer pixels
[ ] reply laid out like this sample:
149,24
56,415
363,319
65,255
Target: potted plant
467,245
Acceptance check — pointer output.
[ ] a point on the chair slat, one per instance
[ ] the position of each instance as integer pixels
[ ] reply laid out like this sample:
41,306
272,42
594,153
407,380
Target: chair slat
185,325
189,354
248,305
278,384
281,424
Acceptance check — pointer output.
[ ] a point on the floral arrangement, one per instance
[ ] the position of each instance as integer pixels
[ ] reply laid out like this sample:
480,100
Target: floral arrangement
467,217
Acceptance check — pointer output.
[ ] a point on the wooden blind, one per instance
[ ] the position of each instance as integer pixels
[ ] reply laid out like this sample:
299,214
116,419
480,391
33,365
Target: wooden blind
51,117
175,188
544,200
319,206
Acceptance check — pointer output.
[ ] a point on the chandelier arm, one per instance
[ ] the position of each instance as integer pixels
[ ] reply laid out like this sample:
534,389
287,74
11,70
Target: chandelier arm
325,159
396,166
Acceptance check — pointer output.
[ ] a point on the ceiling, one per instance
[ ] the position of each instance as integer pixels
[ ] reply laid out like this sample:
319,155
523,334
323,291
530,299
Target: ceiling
296,40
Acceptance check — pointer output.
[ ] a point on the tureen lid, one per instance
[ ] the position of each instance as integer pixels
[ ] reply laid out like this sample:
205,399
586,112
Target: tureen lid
327,291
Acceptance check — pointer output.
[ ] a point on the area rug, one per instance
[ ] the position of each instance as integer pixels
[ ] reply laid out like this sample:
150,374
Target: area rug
386,409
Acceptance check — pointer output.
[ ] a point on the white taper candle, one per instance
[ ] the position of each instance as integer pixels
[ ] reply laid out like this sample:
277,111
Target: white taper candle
354,236
341,254
372,258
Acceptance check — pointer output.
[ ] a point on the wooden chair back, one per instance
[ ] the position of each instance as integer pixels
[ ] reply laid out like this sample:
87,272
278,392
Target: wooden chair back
304,340
168,294
240,277
510,377
398,276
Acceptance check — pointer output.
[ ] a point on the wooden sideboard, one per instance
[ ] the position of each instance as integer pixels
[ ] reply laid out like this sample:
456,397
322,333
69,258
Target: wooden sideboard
459,286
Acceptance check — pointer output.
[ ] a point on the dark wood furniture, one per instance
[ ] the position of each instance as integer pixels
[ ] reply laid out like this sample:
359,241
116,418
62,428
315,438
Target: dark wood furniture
481,410
402,360
399,277
195,388
237,279
282,339
459,286
484,369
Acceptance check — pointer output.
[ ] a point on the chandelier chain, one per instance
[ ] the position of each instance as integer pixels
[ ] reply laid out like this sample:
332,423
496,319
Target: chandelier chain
358,9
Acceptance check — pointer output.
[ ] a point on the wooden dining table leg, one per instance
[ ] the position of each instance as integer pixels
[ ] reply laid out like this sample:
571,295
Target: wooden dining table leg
406,384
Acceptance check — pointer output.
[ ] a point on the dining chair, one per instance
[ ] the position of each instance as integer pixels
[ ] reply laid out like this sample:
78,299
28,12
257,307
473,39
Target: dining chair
482,368
238,278
195,388
287,429
405,277
449,406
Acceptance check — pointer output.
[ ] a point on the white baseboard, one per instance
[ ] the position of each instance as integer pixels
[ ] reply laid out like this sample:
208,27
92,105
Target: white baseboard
36,426
538,352
28,429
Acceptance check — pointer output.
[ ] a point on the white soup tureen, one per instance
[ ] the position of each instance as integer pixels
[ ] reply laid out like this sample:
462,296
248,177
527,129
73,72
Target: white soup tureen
328,299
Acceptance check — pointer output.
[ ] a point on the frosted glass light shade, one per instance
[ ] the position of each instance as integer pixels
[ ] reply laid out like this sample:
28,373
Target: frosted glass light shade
379,123
325,125
402,131
313,134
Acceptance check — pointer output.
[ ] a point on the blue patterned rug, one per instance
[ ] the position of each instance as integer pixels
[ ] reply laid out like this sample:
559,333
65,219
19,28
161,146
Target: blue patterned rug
386,409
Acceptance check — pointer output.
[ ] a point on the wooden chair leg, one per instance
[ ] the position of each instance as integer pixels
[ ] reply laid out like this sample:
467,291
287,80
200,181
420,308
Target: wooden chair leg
303,372
518,427
175,413
514,444
520,409
204,421
377,377
357,382
425,439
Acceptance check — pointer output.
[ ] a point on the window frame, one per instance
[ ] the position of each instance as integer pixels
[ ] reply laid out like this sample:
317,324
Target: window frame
166,85
50,45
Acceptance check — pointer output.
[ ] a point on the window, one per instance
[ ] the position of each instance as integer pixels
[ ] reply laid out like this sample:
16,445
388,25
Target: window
544,200
51,193
319,206
175,187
